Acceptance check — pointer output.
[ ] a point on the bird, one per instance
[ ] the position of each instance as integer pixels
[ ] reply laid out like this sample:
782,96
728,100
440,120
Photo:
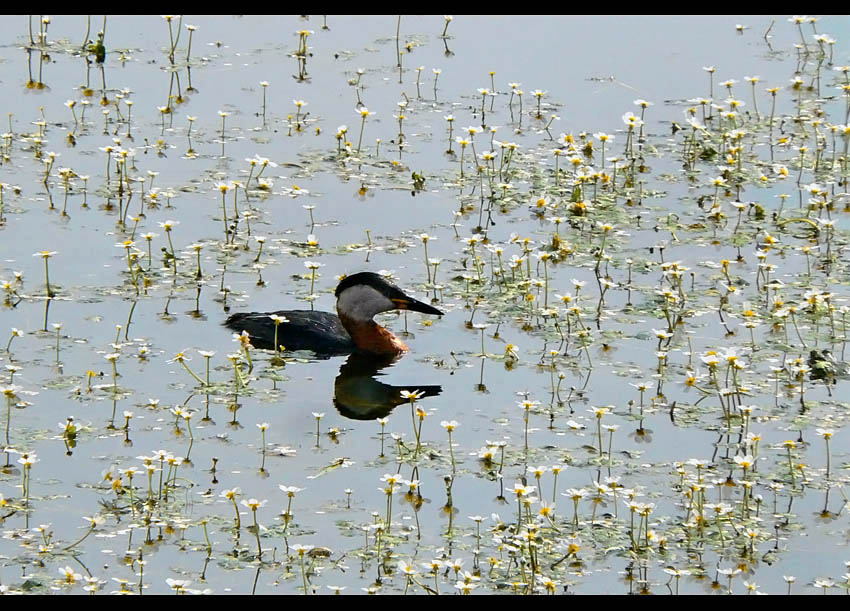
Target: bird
359,297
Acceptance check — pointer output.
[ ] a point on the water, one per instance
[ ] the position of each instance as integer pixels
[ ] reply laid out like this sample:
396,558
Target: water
591,69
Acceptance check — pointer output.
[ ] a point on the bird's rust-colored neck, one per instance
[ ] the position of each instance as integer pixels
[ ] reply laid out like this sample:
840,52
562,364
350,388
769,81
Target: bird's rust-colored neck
371,337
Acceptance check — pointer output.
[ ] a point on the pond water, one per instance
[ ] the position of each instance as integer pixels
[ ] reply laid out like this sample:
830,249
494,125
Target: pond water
638,383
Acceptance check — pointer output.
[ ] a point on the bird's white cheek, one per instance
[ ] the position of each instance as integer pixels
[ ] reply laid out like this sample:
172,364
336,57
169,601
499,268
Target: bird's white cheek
362,303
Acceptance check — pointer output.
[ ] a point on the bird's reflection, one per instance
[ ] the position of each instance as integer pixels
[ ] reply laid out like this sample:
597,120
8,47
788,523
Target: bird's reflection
359,395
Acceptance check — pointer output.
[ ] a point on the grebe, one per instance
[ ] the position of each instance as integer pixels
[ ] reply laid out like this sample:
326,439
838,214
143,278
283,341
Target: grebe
359,298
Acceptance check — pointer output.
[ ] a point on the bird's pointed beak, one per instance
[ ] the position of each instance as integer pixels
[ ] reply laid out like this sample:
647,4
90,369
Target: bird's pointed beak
414,305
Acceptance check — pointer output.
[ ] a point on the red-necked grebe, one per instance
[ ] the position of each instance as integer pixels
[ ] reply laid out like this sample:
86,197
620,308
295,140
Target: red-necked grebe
358,298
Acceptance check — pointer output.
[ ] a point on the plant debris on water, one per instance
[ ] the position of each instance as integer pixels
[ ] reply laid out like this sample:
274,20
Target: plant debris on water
638,386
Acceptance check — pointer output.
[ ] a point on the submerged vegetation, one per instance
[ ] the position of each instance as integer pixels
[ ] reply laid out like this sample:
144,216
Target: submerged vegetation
640,373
